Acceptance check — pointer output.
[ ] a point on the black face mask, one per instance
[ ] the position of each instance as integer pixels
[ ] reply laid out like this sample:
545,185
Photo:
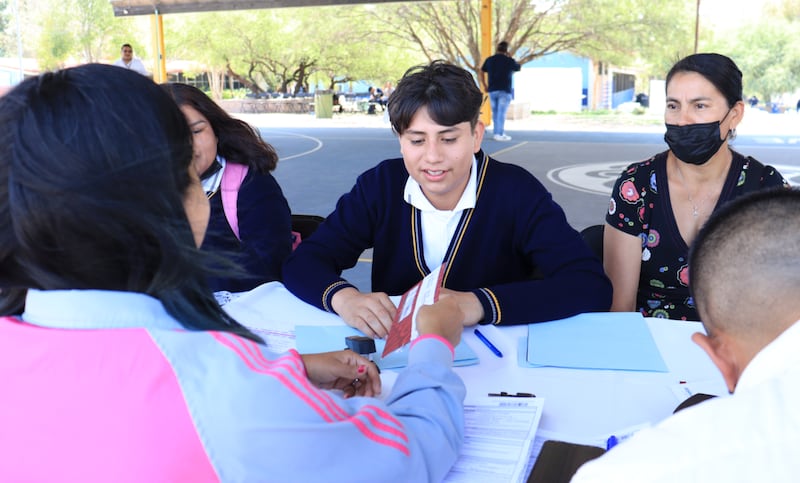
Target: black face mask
695,143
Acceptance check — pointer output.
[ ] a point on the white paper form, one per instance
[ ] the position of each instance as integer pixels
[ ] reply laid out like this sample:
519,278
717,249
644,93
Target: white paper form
498,439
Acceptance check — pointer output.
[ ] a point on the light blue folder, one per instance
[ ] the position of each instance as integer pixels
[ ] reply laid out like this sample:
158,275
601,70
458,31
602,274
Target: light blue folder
608,340
322,338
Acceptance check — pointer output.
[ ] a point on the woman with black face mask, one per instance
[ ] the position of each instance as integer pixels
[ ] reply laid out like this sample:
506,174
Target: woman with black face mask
658,205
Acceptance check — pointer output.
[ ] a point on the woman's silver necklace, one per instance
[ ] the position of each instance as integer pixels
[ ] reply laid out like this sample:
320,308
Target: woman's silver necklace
695,210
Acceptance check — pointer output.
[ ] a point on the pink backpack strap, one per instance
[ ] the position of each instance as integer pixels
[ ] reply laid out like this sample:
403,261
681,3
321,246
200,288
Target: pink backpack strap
232,177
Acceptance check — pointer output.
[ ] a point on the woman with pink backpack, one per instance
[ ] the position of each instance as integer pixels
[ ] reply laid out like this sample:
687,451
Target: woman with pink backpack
250,218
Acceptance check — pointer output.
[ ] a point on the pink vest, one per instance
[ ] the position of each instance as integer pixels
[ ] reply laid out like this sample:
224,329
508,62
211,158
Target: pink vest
112,426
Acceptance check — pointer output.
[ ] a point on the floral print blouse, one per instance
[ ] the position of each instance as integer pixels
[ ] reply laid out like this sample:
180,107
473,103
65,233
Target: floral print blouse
640,206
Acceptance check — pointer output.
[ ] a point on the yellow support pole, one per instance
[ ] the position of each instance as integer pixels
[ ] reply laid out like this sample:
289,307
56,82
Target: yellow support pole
154,46
160,59
486,51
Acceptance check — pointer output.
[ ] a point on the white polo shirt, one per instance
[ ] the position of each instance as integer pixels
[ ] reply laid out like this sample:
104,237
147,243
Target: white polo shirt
439,226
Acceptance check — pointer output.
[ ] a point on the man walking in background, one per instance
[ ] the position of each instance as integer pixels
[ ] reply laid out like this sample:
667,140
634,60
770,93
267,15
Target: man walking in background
128,61
499,67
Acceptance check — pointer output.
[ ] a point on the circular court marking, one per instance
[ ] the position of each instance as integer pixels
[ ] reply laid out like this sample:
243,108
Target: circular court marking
592,178
599,178
316,141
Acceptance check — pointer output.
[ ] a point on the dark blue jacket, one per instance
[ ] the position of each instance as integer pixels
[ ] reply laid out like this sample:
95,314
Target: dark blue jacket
515,250
265,226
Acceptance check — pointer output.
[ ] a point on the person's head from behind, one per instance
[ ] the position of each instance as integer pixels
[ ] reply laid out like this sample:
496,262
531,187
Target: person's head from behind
704,91
97,191
435,112
215,132
502,47
127,52
744,277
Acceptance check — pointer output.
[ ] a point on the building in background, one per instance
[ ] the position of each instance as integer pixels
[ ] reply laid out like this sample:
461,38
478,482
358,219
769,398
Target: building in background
565,82
10,70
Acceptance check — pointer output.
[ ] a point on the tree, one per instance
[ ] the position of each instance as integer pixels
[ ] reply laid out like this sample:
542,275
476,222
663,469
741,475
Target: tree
94,22
250,46
3,26
350,49
211,39
768,55
55,43
82,31
618,31
788,10
267,49
650,35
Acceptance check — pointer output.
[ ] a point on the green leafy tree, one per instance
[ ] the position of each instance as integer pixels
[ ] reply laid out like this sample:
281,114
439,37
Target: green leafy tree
82,31
286,49
788,10
624,32
650,35
3,26
94,23
351,50
209,39
768,55
55,42
249,46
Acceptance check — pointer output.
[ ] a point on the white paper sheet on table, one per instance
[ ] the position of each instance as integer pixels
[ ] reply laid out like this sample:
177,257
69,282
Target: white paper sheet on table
498,441
272,312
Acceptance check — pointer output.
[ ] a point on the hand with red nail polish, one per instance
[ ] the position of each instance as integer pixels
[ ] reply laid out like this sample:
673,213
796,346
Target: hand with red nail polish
345,370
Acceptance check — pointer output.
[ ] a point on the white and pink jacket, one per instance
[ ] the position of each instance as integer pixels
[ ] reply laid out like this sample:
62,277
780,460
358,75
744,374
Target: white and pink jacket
106,386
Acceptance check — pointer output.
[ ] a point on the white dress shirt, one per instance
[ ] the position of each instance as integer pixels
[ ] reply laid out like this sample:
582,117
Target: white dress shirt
751,436
213,182
439,226
134,64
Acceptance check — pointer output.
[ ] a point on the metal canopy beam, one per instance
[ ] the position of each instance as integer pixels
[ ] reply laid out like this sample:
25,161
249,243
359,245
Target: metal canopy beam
124,8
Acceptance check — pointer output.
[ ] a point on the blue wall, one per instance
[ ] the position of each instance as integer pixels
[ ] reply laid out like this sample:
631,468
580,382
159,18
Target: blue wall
563,59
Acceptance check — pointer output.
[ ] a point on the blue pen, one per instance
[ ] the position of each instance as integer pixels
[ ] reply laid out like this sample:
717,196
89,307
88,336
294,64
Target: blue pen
488,344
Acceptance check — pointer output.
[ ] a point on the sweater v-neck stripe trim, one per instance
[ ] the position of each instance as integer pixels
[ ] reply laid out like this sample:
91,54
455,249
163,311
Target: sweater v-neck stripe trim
455,242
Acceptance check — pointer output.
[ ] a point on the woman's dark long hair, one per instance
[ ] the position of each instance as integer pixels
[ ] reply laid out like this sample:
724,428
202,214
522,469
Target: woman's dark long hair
94,165
238,142
717,69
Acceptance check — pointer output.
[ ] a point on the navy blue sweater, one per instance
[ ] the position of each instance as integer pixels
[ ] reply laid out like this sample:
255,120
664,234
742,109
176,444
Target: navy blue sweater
514,250
265,228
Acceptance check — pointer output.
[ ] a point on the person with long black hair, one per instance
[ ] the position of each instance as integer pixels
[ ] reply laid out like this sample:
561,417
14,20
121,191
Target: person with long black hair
250,220
118,364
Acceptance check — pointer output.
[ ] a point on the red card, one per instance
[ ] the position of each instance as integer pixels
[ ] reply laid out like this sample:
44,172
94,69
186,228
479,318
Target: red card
425,292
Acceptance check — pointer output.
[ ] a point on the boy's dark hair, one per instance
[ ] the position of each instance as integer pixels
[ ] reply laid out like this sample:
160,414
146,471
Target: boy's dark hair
447,91
502,47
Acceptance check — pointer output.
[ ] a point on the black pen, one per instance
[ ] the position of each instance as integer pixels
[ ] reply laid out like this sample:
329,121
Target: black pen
507,394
